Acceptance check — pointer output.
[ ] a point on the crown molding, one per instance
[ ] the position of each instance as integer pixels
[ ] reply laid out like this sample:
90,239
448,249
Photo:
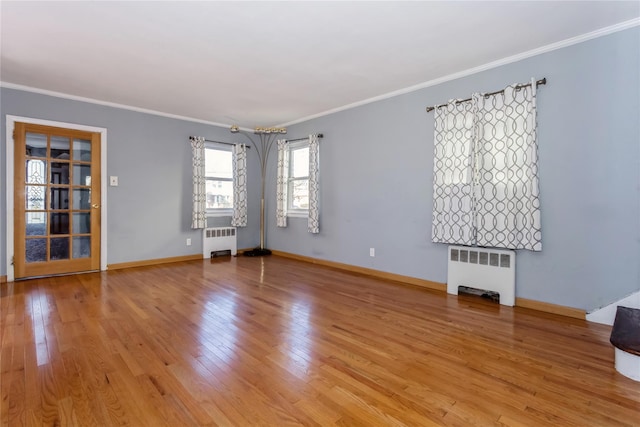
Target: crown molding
508,60
9,85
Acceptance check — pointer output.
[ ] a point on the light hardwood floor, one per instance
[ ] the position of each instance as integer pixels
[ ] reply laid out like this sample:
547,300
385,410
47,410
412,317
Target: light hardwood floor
277,342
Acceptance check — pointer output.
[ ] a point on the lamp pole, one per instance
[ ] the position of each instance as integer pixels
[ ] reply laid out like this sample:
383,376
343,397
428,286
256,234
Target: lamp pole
263,148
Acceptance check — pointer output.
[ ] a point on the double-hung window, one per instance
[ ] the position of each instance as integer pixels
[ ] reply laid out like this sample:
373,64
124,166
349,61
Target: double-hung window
298,182
219,180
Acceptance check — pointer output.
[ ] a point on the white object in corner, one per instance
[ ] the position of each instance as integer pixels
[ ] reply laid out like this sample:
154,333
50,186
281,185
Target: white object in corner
607,314
628,364
481,268
219,239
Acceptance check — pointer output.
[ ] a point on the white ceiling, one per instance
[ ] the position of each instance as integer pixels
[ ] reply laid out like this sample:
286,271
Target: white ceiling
273,63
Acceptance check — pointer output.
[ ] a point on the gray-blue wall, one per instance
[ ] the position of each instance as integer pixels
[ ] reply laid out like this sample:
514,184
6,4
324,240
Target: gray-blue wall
377,163
376,171
149,213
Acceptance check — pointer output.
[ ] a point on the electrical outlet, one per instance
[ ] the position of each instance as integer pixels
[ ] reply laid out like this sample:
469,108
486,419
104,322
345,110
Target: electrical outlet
188,242
372,251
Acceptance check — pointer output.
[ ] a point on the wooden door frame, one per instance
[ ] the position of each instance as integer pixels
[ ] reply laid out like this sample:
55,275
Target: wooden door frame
10,125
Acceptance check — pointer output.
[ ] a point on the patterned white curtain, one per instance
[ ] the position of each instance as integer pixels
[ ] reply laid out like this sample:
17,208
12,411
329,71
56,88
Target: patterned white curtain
314,185
199,213
507,194
239,218
282,183
452,177
486,189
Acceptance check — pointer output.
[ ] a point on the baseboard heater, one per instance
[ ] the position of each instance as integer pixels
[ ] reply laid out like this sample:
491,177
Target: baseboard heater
485,269
217,240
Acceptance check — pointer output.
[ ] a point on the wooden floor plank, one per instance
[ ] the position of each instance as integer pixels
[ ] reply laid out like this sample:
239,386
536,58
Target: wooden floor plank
278,342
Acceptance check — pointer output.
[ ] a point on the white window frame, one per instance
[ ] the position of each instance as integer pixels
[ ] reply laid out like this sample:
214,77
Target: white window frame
290,210
216,212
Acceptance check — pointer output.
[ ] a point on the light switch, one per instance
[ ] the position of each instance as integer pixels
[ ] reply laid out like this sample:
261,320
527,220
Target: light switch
113,181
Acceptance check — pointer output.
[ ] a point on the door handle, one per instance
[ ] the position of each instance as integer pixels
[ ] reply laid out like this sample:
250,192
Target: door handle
95,206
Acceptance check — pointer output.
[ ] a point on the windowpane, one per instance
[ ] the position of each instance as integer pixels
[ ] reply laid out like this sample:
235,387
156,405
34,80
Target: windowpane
34,195
219,194
81,222
82,247
82,150
36,224
36,145
218,163
60,147
59,248
59,223
35,172
219,175
35,250
81,199
82,175
300,162
300,194
59,198
59,173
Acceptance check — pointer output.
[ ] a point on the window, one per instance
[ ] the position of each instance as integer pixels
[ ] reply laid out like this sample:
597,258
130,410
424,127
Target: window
219,177
298,183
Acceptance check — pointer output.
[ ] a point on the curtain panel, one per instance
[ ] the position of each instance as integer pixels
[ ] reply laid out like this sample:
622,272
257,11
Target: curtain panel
486,186
452,176
507,190
282,183
199,197
314,185
239,218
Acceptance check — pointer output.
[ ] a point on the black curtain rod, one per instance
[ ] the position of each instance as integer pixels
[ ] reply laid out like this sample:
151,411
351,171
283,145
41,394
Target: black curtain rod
302,139
542,81
219,142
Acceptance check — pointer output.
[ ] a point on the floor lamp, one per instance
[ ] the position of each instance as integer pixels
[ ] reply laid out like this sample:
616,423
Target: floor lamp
267,137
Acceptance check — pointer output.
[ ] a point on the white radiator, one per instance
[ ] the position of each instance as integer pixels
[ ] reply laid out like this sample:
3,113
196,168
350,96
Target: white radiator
487,269
219,239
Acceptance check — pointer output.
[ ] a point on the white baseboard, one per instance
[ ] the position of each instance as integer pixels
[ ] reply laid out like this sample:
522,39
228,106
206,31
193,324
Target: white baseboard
607,314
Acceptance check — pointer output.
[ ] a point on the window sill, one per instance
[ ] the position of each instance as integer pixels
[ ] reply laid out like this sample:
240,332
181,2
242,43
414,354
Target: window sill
221,212
298,214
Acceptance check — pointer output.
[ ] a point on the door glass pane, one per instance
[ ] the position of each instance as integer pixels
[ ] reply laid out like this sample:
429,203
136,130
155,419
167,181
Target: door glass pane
36,224
59,198
81,223
81,174
60,147
81,198
36,145
59,248
82,150
35,172
82,247
35,250
59,223
59,173
34,197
